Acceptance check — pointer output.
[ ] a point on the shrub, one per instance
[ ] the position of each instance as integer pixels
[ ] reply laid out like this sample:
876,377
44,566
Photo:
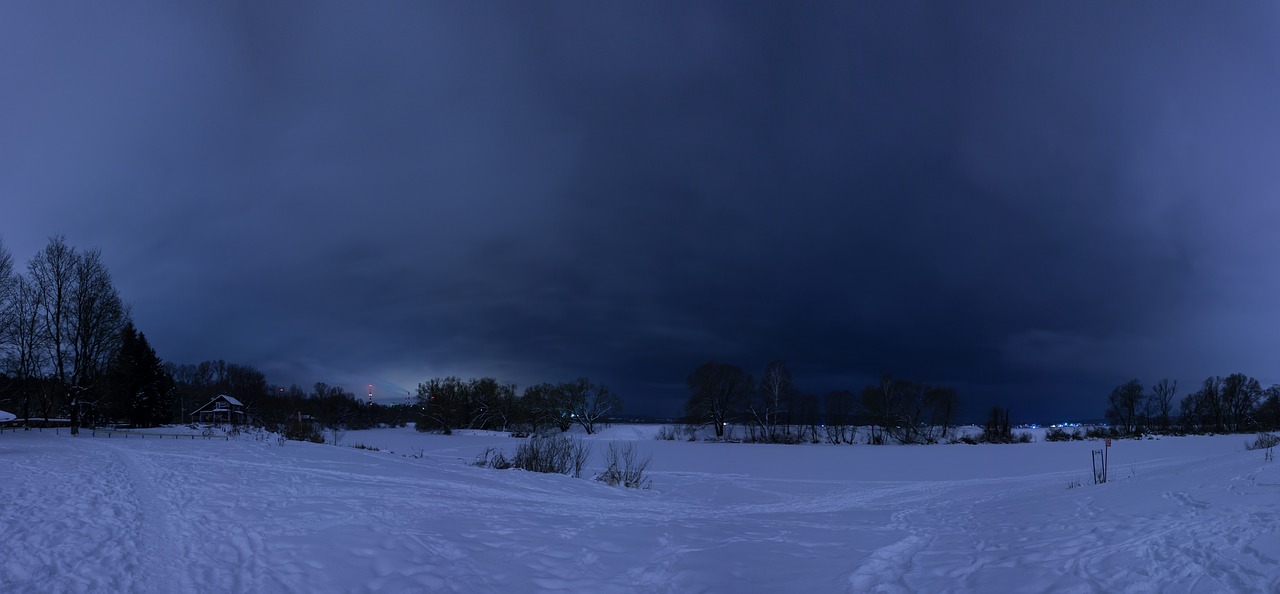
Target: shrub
1097,432
303,431
1263,441
492,458
1057,434
666,433
1061,435
623,468
996,437
553,454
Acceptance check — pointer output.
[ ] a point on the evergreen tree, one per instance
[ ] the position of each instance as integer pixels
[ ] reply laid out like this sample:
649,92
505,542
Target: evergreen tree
141,387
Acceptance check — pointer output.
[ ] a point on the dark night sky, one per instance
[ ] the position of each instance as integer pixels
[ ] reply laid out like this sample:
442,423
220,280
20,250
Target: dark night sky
1030,201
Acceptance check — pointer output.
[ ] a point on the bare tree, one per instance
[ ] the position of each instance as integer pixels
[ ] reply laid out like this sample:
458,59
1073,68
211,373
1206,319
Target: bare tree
942,402
772,401
80,317
1269,408
484,401
7,288
997,429
839,417
878,407
1202,410
717,394
98,318
1125,401
52,273
505,409
897,409
27,354
588,403
807,416
1240,396
543,403
8,282
910,417
1192,412
443,403
1161,400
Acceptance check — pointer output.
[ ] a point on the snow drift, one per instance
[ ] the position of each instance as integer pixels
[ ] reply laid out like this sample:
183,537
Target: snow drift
1193,514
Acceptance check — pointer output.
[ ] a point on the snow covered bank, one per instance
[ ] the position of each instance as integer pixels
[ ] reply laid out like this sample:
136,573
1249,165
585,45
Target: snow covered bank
1195,514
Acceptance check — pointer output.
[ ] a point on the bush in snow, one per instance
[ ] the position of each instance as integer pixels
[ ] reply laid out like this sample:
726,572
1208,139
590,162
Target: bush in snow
624,469
1060,434
492,458
666,433
554,454
1263,441
303,431
1097,432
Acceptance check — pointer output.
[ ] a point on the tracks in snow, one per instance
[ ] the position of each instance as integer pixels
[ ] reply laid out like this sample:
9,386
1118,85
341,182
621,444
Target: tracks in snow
1132,535
158,568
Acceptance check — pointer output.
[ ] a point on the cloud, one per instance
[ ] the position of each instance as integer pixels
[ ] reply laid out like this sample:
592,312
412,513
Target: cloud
1023,201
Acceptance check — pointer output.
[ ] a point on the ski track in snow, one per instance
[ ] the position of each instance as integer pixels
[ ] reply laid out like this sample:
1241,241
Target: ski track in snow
151,515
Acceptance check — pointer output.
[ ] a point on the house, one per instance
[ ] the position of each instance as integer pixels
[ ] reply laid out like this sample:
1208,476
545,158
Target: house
222,409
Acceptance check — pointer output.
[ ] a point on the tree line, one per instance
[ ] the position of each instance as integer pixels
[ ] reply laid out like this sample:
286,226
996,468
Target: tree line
62,326
70,354
774,411
451,403
1236,403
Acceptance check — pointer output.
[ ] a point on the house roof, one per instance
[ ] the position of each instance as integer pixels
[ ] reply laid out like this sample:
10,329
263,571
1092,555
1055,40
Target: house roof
230,400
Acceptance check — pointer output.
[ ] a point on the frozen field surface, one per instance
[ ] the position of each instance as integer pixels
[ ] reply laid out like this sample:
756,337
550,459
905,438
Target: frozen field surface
1191,514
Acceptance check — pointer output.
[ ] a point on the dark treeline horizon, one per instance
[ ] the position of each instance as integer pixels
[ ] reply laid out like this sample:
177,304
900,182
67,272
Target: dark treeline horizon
70,348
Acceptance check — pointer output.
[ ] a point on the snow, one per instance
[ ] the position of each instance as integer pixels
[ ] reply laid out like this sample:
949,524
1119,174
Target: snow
85,514
7,416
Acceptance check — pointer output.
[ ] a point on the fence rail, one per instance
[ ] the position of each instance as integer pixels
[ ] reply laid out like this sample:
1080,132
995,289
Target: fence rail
141,435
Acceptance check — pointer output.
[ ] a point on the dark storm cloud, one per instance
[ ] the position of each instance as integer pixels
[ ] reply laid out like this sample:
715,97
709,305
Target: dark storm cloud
1031,202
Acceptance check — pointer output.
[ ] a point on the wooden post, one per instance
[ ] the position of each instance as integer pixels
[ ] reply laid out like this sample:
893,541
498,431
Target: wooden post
1106,457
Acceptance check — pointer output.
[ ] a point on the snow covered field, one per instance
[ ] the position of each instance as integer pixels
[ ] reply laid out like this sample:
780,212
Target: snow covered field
1195,514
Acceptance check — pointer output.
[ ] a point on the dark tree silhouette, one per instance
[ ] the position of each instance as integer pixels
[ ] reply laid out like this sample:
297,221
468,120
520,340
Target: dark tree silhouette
1125,402
718,392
